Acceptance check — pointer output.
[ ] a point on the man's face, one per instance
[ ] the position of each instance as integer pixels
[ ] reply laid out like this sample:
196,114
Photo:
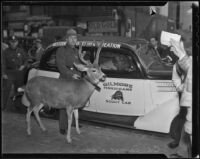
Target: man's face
72,40
154,42
38,45
13,44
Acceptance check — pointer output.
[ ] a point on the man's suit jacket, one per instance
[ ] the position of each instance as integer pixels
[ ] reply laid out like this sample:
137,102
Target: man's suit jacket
65,57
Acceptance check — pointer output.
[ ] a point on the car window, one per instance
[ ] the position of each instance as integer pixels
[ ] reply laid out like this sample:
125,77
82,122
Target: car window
52,59
48,61
118,61
89,53
150,60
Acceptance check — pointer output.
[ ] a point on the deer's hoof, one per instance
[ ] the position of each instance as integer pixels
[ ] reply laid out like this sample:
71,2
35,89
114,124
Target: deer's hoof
69,141
29,133
44,131
78,132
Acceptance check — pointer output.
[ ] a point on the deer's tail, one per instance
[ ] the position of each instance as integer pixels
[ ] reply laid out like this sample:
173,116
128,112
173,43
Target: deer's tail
24,100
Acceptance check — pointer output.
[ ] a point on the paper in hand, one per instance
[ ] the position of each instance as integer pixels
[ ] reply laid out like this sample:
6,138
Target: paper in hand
166,36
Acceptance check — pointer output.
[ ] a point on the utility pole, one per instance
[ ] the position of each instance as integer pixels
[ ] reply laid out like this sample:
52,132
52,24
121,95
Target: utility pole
178,15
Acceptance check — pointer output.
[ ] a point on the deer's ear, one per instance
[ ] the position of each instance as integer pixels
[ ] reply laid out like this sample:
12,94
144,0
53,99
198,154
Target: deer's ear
80,67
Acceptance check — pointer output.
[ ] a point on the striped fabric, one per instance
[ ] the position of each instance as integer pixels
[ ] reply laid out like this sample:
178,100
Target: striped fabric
186,65
186,98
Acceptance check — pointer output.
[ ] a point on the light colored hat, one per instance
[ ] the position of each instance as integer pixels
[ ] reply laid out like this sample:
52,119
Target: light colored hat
38,41
13,39
71,32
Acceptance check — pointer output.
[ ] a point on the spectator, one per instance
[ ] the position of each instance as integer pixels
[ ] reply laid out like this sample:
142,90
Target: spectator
4,46
162,53
119,63
15,63
185,63
178,78
39,51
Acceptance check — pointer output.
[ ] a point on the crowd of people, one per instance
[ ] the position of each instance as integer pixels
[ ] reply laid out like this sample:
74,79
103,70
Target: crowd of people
16,62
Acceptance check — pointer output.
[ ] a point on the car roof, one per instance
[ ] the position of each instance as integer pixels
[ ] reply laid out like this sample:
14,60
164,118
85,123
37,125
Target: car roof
118,39
119,42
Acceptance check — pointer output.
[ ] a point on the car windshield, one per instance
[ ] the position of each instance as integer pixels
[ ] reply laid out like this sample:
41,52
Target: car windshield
151,61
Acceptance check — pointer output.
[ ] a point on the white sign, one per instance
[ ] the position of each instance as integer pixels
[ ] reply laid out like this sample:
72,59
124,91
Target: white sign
104,26
82,25
166,36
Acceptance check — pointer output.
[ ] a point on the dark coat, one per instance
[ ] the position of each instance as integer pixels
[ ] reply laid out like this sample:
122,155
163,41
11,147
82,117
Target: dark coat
162,53
65,57
14,58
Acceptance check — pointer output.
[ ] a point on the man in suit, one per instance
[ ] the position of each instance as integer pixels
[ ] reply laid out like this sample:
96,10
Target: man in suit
65,57
163,53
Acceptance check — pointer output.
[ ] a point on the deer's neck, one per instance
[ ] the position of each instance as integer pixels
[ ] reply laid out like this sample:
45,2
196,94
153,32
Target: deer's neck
91,86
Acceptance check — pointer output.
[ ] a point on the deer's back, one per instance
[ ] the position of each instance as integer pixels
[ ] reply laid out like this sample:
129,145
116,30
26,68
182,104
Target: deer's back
55,92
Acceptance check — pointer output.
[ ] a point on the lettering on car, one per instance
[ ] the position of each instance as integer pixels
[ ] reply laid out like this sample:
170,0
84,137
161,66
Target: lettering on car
105,45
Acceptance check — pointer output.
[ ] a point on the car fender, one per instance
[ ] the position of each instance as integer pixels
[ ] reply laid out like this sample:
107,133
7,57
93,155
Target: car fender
36,72
165,111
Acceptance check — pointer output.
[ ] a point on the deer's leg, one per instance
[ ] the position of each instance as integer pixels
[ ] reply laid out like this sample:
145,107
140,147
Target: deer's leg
69,115
28,119
76,120
36,112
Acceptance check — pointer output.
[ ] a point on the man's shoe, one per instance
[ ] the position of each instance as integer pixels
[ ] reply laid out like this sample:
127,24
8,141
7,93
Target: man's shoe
44,114
173,144
63,131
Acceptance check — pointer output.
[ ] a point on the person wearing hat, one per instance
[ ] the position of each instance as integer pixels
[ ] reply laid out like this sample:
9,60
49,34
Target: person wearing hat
15,62
65,57
40,50
37,50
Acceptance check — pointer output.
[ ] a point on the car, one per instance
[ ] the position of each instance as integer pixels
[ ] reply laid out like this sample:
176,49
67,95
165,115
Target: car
138,92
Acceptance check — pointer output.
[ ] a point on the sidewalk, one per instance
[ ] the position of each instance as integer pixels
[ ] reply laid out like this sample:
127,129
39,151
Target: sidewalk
93,139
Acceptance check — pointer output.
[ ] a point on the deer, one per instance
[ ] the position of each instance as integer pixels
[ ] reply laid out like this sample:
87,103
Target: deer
70,94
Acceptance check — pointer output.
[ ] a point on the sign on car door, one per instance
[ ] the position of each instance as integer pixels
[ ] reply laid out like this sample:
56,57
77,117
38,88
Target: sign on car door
123,92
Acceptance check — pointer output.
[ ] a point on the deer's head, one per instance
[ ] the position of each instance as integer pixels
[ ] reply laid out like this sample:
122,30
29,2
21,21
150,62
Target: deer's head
93,71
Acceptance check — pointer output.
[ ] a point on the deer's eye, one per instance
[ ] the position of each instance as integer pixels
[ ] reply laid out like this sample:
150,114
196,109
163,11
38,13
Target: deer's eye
93,70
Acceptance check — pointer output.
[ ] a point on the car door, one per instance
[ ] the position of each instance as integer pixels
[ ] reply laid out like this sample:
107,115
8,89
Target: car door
47,66
123,91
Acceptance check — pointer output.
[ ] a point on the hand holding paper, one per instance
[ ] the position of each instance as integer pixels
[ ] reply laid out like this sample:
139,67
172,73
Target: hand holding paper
166,36
177,48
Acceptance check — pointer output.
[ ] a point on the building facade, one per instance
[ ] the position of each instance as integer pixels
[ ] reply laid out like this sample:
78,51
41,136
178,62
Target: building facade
128,21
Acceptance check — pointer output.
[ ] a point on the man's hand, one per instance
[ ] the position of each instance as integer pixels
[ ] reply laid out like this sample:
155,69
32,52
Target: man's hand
5,76
178,48
21,67
180,88
75,76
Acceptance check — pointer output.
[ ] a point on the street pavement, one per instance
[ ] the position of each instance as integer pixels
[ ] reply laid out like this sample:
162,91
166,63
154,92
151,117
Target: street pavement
93,139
